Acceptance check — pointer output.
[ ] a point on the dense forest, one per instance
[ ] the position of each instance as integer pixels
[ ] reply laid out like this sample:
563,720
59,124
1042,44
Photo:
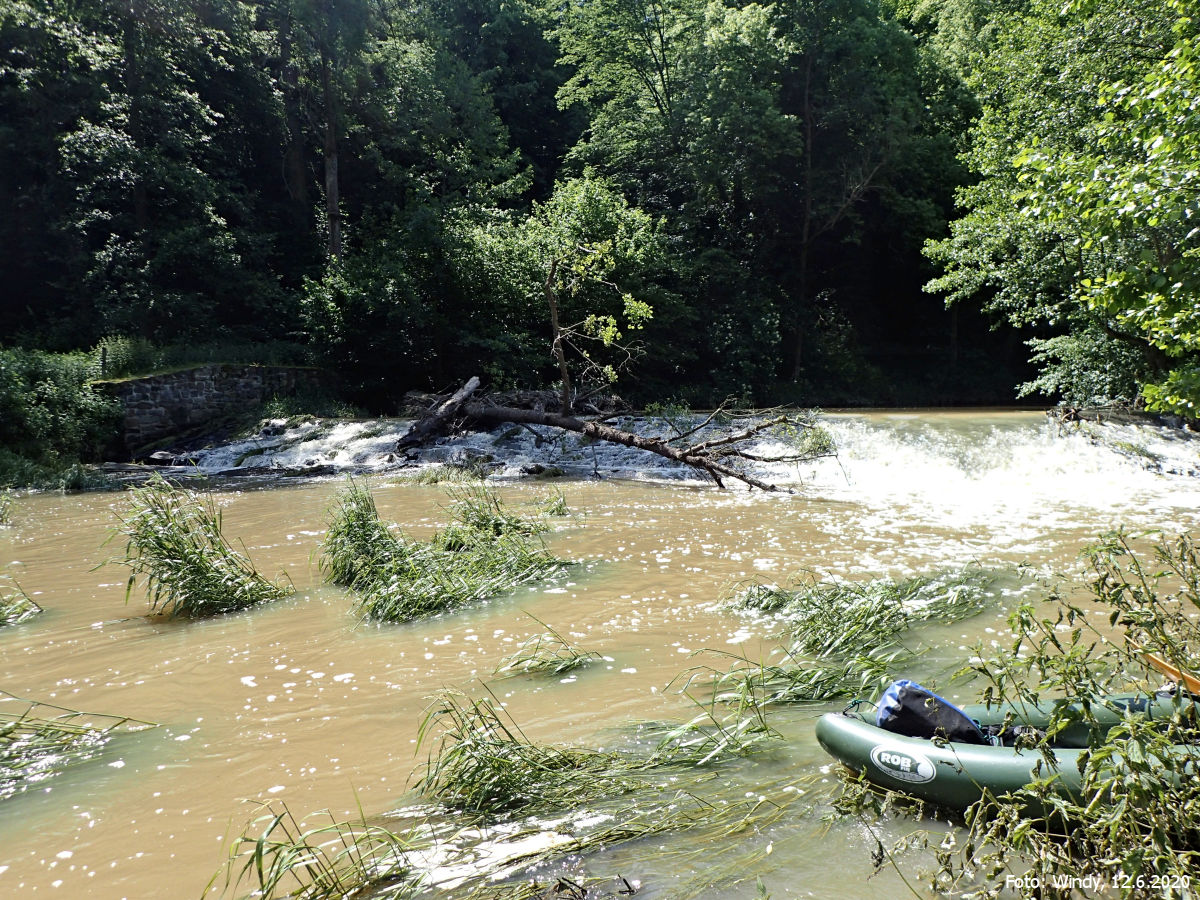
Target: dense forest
807,201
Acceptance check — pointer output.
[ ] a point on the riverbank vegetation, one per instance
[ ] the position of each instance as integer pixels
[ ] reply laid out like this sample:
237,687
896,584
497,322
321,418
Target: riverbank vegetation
485,552
1136,826
174,537
383,190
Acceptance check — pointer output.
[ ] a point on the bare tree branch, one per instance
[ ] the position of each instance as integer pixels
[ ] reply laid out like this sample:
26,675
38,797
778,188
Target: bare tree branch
713,457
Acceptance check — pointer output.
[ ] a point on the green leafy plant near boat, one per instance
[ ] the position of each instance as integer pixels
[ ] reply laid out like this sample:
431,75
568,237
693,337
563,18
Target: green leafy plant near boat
174,538
485,552
1135,826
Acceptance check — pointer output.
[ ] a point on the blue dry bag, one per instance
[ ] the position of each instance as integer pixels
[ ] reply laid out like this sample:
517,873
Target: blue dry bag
909,709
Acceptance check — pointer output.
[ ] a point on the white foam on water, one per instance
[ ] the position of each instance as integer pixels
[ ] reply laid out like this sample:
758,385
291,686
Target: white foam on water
1019,474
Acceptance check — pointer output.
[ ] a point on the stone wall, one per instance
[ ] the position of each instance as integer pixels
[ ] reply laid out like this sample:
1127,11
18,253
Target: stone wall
162,407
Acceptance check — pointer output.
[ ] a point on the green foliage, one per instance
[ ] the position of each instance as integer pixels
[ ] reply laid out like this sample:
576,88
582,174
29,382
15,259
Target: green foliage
174,538
844,638
1136,824
41,740
7,504
486,552
440,474
120,356
1081,219
50,415
1085,367
281,858
485,765
1129,201
587,253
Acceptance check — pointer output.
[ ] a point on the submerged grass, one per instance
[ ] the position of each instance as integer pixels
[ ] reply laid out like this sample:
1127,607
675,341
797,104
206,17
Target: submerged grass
40,740
548,653
15,605
174,538
485,765
507,805
844,638
485,552
281,857
442,474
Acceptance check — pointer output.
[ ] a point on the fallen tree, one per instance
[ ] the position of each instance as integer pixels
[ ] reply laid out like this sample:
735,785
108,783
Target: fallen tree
721,457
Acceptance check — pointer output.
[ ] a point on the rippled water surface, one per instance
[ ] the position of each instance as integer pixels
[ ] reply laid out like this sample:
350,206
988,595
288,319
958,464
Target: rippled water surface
301,702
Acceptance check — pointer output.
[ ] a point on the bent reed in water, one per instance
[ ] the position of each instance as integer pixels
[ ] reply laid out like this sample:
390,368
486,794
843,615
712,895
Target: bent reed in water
15,605
485,552
41,740
547,653
497,791
175,540
845,638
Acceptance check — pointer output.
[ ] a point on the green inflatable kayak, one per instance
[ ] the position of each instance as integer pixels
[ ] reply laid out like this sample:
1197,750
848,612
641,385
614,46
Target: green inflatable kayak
955,775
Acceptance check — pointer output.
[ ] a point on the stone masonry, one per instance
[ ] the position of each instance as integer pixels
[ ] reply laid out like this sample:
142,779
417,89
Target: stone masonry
158,407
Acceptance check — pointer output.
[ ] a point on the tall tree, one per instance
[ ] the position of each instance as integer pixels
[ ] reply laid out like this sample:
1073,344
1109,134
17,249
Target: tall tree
1027,241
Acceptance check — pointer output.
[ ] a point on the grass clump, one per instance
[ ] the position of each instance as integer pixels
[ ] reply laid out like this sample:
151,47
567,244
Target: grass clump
844,639
836,617
547,653
7,504
281,857
485,552
39,741
174,538
798,680
485,765
15,605
1136,824
443,474
554,504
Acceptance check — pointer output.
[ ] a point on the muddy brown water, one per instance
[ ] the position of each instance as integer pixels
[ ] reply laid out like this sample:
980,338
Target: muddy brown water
300,702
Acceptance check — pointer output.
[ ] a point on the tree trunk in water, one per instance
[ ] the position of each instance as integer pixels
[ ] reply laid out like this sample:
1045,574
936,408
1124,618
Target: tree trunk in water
713,457
806,220
333,213
557,346
295,178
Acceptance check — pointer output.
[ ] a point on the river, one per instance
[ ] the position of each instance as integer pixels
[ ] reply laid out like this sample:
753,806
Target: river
300,702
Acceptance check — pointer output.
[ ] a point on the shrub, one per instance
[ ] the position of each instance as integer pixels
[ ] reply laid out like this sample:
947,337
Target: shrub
50,416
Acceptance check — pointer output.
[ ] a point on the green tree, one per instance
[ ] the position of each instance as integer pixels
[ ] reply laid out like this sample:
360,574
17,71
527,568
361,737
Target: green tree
1070,98
581,261
1133,201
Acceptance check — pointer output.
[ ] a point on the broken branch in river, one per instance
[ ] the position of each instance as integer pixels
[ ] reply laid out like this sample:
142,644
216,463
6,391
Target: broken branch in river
720,458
